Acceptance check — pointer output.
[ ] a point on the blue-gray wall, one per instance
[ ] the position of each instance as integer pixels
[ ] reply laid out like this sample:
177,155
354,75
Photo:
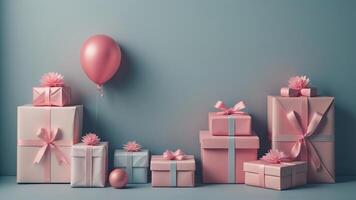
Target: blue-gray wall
180,56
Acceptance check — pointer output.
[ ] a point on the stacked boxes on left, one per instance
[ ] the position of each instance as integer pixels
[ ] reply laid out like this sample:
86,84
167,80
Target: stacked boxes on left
46,134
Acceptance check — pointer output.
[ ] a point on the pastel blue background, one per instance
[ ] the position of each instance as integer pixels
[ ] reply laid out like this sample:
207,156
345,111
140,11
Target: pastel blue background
179,57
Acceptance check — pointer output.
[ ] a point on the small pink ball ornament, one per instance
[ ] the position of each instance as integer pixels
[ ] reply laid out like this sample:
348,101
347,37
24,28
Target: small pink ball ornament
118,178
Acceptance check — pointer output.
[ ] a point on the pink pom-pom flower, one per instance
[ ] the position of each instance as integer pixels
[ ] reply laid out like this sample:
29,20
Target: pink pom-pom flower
91,139
132,146
275,157
298,82
52,79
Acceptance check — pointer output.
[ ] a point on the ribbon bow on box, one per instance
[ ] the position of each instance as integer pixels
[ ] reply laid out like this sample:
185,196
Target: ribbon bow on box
298,86
177,155
236,109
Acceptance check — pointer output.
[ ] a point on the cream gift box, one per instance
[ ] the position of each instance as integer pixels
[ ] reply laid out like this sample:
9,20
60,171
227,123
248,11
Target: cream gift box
45,136
51,96
89,165
134,163
173,173
223,156
308,124
278,176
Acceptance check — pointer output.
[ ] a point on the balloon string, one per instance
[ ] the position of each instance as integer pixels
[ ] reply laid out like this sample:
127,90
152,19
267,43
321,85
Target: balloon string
97,99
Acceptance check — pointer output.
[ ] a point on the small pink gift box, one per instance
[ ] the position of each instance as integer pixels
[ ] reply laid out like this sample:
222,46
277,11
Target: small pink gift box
234,124
304,127
45,136
89,165
275,176
173,173
51,96
223,157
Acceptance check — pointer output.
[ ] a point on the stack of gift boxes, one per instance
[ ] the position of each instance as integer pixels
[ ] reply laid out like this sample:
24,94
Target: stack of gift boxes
300,129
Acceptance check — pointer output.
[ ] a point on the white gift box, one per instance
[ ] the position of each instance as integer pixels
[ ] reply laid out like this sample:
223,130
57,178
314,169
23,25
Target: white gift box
134,163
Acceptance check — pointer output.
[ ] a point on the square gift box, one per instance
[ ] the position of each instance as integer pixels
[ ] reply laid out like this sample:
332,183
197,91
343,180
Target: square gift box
173,173
223,156
277,176
233,124
51,96
134,163
304,127
45,136
89,165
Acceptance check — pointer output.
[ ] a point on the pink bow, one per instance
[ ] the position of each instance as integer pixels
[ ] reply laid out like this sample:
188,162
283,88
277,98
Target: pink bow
177,155
48,142
289,92
236,109
303,141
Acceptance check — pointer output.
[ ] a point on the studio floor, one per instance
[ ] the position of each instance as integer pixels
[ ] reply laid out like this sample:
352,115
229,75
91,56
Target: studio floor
344,189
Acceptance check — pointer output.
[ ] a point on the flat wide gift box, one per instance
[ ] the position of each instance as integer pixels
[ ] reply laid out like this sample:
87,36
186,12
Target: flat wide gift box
89,165
173,173
51,96
278,176
223,156
134,163
304,128
45,136
232,124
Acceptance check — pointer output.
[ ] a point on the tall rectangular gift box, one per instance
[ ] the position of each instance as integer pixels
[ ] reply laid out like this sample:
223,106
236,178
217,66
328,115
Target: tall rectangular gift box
89,165
173,173
223,156
45,136
229,121
278,176
134,163
303,126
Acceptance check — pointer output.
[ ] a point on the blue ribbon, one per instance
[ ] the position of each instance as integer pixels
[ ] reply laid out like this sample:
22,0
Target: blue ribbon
231,125
128,168
173,173
231,157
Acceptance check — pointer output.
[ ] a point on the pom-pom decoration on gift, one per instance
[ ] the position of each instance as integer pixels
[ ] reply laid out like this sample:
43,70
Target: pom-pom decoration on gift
91,139
118,178
132,146
52,79
177,155
298,82
275,157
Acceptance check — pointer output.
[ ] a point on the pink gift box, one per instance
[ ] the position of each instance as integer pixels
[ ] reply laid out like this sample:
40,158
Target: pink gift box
173,173
51,96
223,157
45,136
275,176
307,124
89,165
233,124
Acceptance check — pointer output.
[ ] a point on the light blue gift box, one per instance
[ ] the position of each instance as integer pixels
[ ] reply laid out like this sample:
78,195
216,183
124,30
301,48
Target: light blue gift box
134,163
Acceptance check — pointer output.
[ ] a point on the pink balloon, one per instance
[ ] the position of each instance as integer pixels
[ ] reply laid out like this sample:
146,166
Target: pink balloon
118,178
100,58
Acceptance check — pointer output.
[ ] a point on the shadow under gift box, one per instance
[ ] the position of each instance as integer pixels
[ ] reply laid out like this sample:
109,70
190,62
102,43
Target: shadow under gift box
223,156
284,134
278,176
134,163
48,153
173,173
51,96
89,165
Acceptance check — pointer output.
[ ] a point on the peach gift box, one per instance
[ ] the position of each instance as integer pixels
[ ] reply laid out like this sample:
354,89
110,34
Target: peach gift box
233,124
275,176
223,157
45,136
308,122
51,96
89,165
173,173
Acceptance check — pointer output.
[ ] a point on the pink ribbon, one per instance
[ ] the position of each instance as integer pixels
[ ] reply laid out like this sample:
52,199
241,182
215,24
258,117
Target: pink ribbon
289,92
236,109
177,155
303,142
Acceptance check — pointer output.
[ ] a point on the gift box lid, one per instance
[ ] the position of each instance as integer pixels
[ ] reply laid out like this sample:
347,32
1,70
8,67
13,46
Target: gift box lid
100,150
280,169
208,141
139,158
215,115
158,163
